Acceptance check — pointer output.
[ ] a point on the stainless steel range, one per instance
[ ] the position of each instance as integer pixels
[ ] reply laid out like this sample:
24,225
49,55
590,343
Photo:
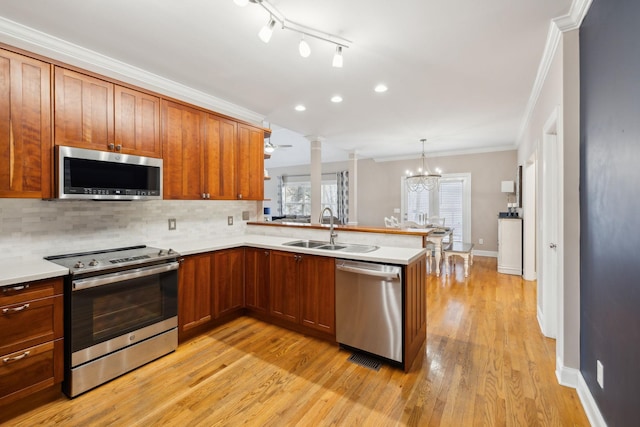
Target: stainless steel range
120,312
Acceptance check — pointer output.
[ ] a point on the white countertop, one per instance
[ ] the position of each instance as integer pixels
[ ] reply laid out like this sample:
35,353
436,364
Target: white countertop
29,269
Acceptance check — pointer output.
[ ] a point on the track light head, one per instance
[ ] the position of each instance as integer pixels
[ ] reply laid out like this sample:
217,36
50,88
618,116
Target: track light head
304,48
337,57
267,31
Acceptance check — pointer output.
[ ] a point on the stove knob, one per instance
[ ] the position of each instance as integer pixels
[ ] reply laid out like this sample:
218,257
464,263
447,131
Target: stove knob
171,252
79,264
94,262
161,252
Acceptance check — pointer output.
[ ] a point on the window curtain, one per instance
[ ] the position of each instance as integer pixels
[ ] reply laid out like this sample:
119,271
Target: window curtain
342,178
280,202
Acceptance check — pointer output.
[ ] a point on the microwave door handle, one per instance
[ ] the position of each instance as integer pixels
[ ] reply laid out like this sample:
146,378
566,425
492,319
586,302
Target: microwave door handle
92,282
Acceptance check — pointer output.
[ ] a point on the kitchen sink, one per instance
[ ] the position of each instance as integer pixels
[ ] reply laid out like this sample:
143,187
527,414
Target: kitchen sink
360,248
326,246
331,247
311,244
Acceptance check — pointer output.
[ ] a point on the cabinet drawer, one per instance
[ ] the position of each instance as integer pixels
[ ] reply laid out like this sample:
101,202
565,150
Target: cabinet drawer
14,294
30,370
30,323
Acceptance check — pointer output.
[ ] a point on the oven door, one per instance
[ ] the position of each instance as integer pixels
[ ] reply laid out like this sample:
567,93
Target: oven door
113,311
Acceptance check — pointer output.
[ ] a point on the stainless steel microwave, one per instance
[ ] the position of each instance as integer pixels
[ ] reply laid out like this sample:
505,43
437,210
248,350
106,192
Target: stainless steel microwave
103,175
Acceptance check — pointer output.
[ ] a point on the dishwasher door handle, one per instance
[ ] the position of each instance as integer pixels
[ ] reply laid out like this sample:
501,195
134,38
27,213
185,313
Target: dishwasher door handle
395,274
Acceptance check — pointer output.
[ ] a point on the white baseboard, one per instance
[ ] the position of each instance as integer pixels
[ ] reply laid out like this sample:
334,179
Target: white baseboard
571,377
540,321
492,254
589,404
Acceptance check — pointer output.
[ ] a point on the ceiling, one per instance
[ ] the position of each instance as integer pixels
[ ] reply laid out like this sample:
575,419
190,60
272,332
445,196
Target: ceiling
459,73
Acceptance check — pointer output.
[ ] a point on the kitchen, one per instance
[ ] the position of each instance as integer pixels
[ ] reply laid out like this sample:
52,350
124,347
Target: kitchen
39,228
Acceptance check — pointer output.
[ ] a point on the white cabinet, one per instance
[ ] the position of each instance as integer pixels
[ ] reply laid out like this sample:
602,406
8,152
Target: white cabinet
510,246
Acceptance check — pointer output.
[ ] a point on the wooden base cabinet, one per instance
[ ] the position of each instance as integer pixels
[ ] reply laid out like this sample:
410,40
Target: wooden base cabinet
31,338
303,290
25,127
256,280
228,281
195,303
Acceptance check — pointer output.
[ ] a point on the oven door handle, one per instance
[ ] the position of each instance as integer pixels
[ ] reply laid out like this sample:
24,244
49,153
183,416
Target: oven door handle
92,282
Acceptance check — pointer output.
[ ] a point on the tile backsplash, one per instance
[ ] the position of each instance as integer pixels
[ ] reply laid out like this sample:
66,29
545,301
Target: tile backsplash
41,227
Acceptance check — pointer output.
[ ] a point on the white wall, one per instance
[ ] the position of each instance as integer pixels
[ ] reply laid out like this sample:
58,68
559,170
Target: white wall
379,189
561,91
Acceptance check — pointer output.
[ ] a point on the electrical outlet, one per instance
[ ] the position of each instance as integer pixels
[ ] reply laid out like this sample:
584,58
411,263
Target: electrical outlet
229,220
600,373
481,241
396,210
172,223
245,215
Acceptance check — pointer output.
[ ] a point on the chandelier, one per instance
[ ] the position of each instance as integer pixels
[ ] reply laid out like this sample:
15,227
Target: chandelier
423,179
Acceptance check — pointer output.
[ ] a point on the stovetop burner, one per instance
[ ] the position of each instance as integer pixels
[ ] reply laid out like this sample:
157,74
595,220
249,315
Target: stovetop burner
96,261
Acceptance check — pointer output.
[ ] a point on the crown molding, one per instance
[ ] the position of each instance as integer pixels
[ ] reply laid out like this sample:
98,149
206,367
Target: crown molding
35,41
568,22
451,153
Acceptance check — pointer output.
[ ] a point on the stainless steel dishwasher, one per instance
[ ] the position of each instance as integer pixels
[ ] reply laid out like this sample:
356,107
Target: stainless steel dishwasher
369,307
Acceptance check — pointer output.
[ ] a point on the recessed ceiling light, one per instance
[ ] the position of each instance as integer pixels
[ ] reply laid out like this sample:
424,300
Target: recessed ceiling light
300,107
336,98
380,88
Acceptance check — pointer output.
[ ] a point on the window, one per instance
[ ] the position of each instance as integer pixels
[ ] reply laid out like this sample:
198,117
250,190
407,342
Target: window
451,201
296,194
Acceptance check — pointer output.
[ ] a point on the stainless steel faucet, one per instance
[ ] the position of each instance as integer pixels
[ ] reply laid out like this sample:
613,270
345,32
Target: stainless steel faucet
332,233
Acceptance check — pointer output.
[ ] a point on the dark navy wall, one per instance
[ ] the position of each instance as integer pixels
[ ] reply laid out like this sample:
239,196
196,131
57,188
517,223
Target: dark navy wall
610,207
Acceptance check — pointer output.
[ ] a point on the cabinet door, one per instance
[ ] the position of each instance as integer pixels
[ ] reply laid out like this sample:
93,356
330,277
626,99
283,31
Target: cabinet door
284,295
317,293
25,127
137,123
220,158
83,111
182,151
228,273
194,294
256,280
250,179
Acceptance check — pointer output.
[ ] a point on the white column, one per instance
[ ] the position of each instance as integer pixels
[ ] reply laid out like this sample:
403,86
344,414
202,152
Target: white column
353,188
316,177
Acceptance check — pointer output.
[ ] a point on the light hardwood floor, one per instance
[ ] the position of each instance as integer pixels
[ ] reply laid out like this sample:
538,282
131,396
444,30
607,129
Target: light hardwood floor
485,363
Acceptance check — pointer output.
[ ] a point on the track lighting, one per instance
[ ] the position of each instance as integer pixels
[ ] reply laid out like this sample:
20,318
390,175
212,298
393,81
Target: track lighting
337,57
267,31
304,48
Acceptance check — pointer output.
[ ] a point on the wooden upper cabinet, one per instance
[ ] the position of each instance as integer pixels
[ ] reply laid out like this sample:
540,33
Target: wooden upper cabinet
182,148
137,122
220,157
250,174
25,127
83,111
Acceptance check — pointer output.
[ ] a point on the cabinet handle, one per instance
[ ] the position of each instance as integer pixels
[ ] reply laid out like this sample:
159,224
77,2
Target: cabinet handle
14,288
111,146
239,196
266,253
16,358
119,147
15,309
